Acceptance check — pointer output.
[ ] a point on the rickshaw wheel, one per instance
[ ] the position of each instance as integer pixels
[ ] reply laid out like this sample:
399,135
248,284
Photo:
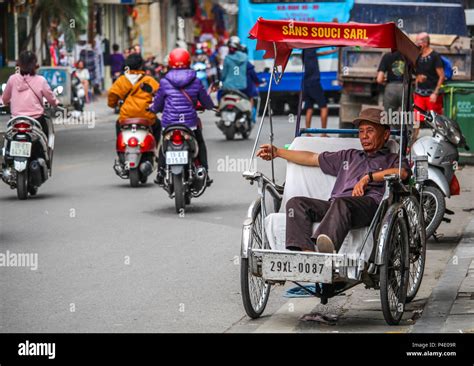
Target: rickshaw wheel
255,290
417,239
394,271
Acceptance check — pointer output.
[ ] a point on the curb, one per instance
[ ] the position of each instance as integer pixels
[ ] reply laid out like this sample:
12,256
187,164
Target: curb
439,305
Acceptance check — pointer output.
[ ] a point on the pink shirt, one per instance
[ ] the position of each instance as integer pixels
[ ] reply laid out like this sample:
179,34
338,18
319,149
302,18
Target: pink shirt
23,100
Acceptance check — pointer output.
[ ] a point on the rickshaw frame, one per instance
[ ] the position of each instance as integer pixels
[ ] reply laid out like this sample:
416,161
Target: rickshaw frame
392,207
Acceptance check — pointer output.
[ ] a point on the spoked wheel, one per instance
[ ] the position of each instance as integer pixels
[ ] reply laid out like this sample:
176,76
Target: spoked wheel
434,206
394,271
22,185
417,247
255,290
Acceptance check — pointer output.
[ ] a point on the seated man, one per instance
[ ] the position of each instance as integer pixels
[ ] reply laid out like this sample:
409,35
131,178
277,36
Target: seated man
358,190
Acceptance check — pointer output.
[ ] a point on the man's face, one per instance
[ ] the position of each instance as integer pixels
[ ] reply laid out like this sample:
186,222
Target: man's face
372,136
422,41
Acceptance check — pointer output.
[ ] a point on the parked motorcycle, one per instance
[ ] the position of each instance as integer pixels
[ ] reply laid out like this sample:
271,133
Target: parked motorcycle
441,149
27,152
77,92
136,148
235,113
185,177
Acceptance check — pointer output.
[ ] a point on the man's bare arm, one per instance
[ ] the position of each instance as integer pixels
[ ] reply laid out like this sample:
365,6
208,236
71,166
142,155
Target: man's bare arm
308,158
381,77
442,77
379,176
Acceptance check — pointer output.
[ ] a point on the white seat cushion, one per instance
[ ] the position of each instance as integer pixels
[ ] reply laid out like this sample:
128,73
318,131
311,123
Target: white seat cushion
312,182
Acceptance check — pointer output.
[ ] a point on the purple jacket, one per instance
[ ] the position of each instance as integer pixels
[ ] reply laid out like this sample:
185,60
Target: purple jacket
176,107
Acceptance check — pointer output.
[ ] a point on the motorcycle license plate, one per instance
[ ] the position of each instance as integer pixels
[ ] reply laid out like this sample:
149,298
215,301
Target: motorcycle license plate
22,149
176,157
228,116
297,267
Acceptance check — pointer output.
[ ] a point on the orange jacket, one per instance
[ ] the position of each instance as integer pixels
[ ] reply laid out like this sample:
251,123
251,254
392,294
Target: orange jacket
138,99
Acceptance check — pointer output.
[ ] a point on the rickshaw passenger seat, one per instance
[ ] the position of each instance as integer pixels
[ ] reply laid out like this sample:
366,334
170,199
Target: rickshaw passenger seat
312,182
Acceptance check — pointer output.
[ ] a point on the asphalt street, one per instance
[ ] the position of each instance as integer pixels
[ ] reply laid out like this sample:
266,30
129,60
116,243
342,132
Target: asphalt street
112,258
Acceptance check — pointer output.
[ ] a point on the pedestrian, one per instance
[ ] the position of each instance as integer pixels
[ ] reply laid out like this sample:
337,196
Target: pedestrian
117,62
429,71
390,74
83,74
312,89
87,56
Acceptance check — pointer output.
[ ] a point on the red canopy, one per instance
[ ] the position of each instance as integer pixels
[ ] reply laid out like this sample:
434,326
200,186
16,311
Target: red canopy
289,34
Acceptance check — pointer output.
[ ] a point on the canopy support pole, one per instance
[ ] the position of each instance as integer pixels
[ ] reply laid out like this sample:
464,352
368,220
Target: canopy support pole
300,100
406,80
252,156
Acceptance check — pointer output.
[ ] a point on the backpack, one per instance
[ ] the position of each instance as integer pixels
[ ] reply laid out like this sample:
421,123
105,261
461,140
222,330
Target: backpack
448,67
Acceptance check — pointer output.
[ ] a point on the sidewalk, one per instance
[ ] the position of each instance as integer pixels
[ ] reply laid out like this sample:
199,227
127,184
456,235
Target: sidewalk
450,307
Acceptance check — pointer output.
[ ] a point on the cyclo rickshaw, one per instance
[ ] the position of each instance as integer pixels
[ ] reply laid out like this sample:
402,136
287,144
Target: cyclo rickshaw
388,255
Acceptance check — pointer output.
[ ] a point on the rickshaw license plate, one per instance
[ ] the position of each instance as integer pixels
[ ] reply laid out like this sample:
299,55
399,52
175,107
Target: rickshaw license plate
295,267
176,157
22,149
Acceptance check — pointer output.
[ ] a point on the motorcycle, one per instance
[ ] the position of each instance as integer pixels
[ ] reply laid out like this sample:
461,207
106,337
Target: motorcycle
77,92
235,112
136,148
185,177
28,152
441,150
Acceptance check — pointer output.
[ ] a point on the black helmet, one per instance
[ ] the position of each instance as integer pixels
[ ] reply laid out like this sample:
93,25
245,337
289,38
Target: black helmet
134,62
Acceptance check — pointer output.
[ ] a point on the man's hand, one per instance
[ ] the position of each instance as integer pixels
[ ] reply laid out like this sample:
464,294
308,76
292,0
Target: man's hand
433,98
267,152
421,78
359,188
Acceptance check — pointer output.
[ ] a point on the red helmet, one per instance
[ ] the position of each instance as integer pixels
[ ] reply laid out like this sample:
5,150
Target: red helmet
179,58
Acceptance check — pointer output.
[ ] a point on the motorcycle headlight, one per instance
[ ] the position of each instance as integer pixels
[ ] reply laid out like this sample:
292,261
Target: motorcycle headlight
451,130
454,136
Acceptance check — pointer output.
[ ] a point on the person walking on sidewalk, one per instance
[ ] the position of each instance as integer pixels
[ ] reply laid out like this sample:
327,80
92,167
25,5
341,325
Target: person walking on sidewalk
429,78
390,74
312,89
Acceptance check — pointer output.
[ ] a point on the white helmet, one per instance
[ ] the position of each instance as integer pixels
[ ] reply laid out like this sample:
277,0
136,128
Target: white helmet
234,42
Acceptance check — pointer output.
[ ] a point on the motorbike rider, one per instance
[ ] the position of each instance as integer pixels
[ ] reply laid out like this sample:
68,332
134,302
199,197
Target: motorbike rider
177,98
136,90
234,72
25,91
252,85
